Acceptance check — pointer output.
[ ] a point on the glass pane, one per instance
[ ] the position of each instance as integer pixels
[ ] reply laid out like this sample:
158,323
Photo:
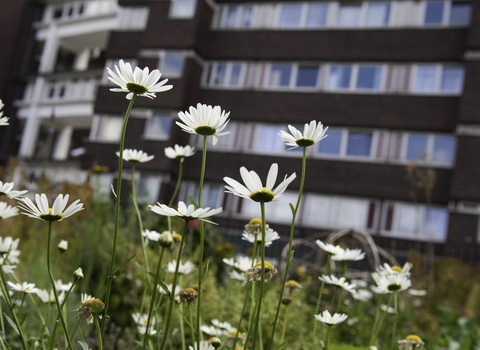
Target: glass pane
172,64
452,79
359,144
417,147
290,16
331,144
219,75
434,12
369,77
460,13
268,140
246,18
349,16
111,129
425,79
377,14
352,213
444,150
436,224
280,75
183,8
406,219
317,210
158,126
339,77
235,76
231,17
316,16
307,76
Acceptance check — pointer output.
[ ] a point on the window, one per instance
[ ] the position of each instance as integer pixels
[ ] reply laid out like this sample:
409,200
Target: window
133,17
443,150
452,80
183,8
148,188
349,15
157,127
359,144
226,74
338,212
277,211
331,145
460,13
290,15
425,79
171,64
417,147
417,222
434,12
236,16
369,77
316,15
377,14
280,75
307,76
438,79
212,194
266,138
106,129
339,77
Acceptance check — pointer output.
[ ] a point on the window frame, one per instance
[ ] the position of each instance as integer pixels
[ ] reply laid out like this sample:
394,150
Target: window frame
148,131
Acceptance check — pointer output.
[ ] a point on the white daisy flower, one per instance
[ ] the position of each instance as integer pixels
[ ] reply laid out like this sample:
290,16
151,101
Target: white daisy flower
24,287
417,292
211,330
387,269
330,248
254,188
49,297
329,319
6,189
43,211
141,321
270,236
7,269
387,309
186,213
90,306
411,342
184,269
340,282
204,120
254,273
7,211
349,255
135,156
169,287
312,133
153,236
63,287
238,276
179,151
242,263
3,120
9,246
224,325
362,295
395,282
139,82
204,345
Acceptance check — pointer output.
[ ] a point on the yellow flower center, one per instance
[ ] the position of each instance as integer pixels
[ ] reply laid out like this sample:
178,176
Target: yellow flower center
255,221
50,216
136,88
397,268
303,142
414,337
262,196
268,266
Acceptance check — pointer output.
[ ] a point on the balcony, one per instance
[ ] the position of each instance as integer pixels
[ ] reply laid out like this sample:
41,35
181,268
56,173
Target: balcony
79,10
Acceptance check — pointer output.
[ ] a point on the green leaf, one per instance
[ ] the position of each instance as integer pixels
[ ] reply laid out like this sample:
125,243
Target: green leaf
14,326
84,345
190,198
164,287
283,344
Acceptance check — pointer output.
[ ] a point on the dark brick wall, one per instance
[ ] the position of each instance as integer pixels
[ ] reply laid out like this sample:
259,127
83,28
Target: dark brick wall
466,176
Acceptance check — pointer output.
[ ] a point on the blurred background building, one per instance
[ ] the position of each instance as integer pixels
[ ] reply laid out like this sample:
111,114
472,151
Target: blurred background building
396,82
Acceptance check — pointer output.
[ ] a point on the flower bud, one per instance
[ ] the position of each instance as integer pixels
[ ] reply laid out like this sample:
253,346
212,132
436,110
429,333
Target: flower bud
62,246
216,342
165,239
78,273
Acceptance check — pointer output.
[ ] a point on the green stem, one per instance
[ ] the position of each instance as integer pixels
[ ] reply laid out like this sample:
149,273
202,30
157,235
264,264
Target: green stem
395,319
179,180
182,327
99,332
285,320
174,286
192,329
327,337
62,308
262,281
319,299
10,305
202,238
52,281
373,339
290,245
240,320
152,301
118,193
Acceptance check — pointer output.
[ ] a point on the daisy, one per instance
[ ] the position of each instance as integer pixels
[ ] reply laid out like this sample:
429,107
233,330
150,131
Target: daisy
9,246
138,82
184,212
390,283
90,306
254,188
49,297
179,151
411,342
349,255
7,269
184,269
141,320
169,287
3,120
312,133
27,288
223,325
211,330
153,236
242,263
42,211
340,282
7,211
135,156
330,248
329,319
417,292
387,269
362,295
204,345
255,273
270,236
204,120
6,189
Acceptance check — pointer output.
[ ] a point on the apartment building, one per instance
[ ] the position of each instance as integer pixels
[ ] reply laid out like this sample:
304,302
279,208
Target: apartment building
395,81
